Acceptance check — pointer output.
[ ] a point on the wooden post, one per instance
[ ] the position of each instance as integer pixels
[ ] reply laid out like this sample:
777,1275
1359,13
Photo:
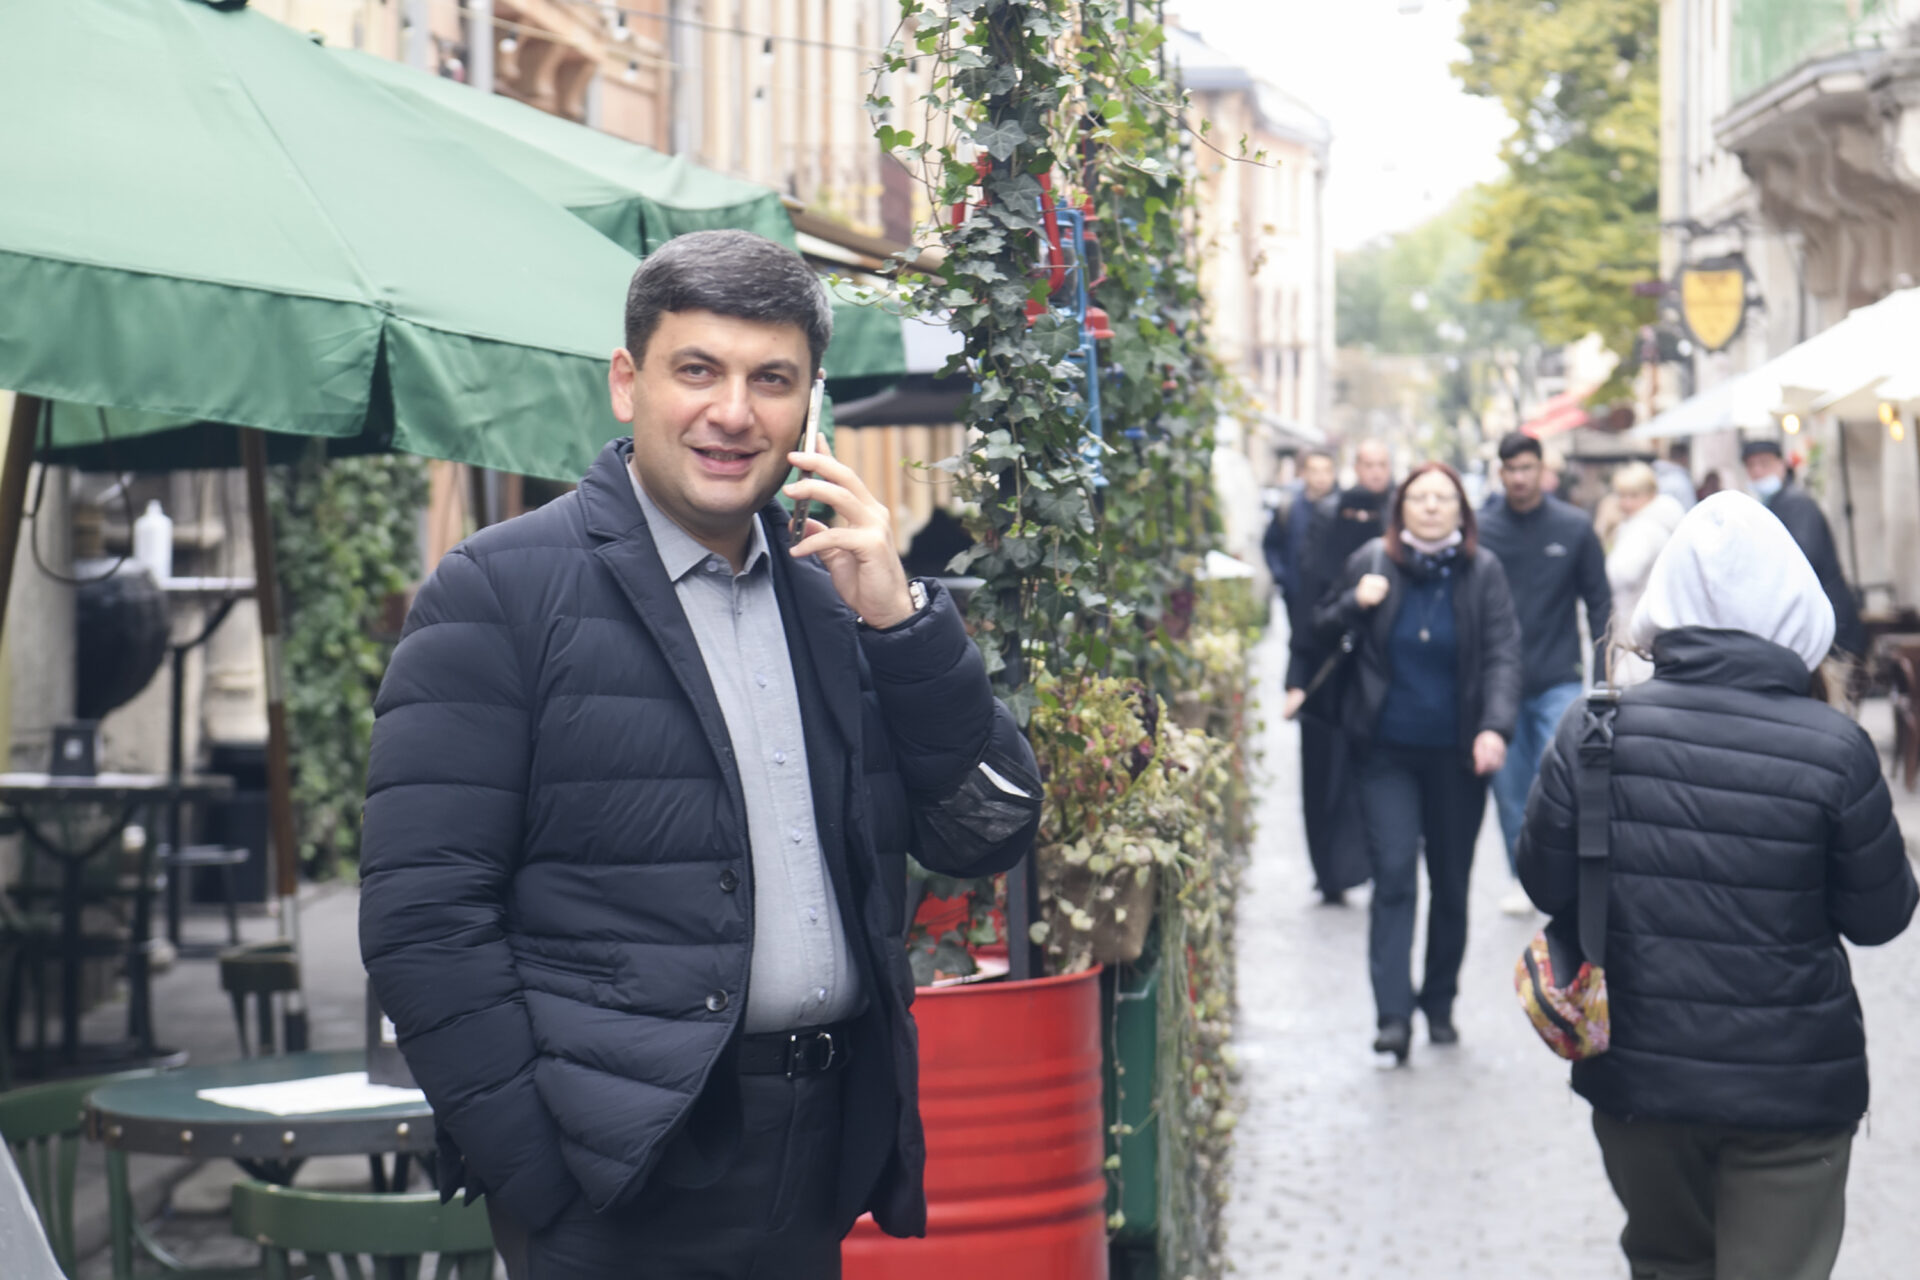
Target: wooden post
13,489
266,594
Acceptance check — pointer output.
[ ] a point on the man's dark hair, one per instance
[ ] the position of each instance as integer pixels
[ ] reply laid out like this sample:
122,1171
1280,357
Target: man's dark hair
1311,454
730,273
1515,443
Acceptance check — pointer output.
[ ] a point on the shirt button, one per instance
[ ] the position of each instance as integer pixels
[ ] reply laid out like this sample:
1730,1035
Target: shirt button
729,881
795,833
779,757
717,1002
821,995
813,914
760,679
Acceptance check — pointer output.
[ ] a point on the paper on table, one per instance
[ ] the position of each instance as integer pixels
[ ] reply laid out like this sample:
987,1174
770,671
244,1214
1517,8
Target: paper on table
348,1091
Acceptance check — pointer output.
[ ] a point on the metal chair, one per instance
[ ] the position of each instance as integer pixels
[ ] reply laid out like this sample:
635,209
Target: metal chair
258,973
394,1232
42,1126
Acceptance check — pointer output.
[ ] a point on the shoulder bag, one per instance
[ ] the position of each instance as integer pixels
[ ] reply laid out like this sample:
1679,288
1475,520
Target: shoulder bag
1563,989
1336,662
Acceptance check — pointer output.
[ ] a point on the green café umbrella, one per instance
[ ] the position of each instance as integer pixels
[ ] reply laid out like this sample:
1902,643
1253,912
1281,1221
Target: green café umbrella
633,195
211,219
208,219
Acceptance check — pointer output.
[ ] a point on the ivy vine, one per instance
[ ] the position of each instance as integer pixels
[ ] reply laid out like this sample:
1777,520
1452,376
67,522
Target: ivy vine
346,536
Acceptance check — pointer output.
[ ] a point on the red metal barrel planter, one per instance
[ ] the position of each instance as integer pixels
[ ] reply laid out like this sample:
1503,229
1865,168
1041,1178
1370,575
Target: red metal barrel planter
1010,1094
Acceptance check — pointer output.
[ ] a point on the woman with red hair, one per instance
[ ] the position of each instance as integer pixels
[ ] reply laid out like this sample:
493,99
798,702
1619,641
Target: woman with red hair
1431,703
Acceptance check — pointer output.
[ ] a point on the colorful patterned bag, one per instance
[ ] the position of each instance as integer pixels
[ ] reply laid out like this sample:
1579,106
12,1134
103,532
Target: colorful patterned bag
1562,986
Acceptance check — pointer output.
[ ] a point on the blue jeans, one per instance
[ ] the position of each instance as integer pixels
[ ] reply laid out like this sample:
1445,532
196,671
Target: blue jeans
1532,734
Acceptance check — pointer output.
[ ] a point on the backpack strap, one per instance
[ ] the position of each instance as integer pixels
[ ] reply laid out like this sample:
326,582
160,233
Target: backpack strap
1594,789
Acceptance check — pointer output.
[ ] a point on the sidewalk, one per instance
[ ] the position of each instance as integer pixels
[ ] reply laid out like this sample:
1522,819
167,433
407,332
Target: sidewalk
191,1012
1474,1162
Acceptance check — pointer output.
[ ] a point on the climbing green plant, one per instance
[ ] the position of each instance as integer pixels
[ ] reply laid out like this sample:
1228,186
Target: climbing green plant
1090,536
347,539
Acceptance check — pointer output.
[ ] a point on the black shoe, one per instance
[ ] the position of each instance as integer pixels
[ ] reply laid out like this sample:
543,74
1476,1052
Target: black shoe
1396,1038
1333,898
1442,1031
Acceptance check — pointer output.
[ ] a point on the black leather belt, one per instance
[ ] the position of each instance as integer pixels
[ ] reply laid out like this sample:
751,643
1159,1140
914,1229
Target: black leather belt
807,1052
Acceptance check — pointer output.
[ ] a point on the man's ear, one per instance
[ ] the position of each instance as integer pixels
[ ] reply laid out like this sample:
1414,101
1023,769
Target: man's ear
621,375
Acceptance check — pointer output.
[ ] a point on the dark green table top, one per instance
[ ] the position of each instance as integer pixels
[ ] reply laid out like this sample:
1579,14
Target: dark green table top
163,1115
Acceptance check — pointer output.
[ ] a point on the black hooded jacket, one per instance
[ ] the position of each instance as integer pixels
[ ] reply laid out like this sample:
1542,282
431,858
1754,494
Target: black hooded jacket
1750,831
556,904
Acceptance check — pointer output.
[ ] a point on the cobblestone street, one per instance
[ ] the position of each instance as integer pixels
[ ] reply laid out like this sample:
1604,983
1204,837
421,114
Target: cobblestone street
1476,1161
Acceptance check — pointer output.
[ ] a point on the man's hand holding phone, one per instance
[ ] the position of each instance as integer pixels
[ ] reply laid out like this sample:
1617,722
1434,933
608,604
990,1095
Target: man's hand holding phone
859,551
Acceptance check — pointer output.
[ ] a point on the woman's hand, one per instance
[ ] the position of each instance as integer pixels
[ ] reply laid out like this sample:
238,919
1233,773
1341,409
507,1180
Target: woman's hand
1489,752
1296,698
1371,590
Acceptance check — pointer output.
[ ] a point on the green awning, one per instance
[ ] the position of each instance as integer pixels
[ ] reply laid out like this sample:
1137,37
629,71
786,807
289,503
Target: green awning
633,195
211,219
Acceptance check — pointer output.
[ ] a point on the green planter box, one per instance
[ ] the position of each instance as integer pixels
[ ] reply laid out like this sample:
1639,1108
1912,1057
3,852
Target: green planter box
1130,1022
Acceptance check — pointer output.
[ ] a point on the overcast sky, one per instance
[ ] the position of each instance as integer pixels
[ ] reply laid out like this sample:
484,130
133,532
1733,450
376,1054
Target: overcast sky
1406,140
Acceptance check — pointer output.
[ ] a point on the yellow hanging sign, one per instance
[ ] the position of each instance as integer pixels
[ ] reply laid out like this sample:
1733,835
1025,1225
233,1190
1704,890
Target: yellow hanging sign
1713,301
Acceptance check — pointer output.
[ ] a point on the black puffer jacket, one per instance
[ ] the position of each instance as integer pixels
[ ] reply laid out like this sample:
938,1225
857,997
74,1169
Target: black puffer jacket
1487,671
1750,831
556,897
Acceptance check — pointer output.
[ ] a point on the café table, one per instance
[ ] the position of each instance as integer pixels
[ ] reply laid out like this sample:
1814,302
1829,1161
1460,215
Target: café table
76,818
164,1114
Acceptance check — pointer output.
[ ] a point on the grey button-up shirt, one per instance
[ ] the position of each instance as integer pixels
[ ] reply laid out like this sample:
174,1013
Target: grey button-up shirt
802,973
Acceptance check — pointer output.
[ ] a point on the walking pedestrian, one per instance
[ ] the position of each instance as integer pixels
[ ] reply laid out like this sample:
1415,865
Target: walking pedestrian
644,777
1649,517
1431,708
1286,537
1329,796
1774,484
1553,561
1750,831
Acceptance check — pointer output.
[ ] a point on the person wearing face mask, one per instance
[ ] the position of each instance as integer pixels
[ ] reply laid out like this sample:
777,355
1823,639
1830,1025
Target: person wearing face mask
1772,482
1751,832
1431,708
1648,516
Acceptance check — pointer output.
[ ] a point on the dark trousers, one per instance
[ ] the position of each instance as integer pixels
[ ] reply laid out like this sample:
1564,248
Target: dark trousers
1708,1202
1415,796
1330,808
770,1215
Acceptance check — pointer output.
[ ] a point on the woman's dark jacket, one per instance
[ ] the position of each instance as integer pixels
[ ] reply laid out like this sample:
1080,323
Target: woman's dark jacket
1750,831
556,903
1487,680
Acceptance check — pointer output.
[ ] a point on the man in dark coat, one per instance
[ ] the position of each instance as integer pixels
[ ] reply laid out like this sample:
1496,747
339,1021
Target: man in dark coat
644,779
1773,484
1286,537
1342,523
1554,563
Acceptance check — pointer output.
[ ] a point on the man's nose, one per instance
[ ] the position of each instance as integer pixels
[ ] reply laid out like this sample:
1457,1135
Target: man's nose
731,408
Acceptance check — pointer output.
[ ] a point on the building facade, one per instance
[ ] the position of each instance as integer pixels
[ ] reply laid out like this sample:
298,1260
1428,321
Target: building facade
1791,151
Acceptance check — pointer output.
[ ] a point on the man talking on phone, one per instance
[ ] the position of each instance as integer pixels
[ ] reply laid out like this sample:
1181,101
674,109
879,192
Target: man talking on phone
644,779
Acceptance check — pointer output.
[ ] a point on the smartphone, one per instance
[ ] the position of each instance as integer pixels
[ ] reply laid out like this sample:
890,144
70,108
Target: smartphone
809,443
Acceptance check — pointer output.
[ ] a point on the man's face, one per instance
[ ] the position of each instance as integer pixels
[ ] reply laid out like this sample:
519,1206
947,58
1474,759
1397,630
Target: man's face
1520,475
1373,468
1317,474
716,404
1763,465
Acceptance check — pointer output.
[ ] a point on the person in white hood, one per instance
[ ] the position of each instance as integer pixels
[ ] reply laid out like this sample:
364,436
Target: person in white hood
1732,566
1749,832
1649,518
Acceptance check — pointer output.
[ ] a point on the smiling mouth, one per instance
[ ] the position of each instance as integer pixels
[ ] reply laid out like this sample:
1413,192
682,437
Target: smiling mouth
725,455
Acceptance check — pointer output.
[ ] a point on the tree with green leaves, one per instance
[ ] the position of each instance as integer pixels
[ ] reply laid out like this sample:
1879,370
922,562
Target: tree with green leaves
1574,224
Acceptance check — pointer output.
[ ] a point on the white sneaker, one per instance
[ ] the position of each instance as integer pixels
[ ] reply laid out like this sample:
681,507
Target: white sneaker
1516,902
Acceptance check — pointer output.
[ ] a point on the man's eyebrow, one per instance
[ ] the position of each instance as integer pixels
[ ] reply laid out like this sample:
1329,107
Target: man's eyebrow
779,364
